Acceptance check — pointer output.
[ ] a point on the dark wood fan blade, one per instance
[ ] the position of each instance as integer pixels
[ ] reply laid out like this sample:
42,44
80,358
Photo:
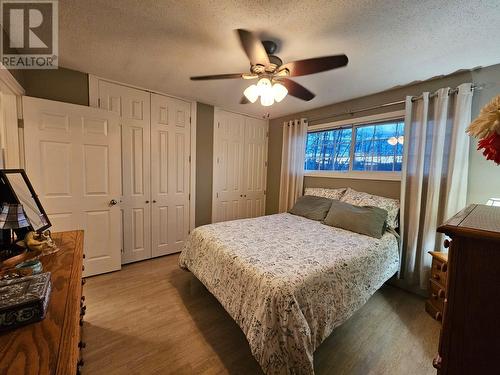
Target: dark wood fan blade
244,100
217,76
253,48
297,90
315,65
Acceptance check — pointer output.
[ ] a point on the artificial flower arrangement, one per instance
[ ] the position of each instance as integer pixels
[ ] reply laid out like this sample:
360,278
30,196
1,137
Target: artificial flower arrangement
486,127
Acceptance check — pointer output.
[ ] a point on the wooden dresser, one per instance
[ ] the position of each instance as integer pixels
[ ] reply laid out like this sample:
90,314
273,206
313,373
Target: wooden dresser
470,335
53,345
437,285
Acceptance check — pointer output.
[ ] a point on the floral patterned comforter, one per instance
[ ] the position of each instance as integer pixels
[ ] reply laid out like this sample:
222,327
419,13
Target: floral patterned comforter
288,281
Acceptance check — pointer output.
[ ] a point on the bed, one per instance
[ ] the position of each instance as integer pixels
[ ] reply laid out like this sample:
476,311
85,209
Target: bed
288,281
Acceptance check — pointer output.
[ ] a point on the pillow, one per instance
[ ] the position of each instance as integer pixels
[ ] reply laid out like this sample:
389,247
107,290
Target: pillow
370,221
311,207
357,198
327,193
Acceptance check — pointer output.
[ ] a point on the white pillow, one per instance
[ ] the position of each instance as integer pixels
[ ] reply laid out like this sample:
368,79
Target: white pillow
326,193
358,198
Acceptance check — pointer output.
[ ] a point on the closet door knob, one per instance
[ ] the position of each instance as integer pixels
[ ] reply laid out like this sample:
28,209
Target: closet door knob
147,201
113,202
154,201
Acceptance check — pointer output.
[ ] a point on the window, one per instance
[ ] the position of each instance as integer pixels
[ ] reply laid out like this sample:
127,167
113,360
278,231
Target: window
379,147
329,150
364,147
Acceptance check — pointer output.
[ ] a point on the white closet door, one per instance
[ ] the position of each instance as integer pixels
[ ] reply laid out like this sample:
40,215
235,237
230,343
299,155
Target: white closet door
170,173
133,107
255,167
229,135
72,157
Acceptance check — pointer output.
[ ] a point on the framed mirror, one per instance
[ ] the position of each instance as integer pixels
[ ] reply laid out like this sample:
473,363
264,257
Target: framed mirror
16,188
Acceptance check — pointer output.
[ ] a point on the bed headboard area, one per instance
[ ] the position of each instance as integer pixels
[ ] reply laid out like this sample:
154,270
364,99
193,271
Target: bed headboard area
383,188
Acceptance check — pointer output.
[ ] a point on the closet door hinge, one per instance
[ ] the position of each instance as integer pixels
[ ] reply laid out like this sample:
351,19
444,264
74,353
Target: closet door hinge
218,160
265,163
189,196
190,119
217,195
190,158
264,192
267,134
99,102
218,124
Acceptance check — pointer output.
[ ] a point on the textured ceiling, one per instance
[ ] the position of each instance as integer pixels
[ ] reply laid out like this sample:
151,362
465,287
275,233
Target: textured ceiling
160,44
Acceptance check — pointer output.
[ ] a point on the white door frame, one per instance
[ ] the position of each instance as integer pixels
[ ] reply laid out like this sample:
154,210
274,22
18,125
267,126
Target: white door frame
11,140
93,102
214,161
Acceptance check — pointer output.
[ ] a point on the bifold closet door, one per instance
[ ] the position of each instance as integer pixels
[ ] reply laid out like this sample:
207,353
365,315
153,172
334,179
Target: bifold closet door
133,107
229,136
255,167
170,173
72,156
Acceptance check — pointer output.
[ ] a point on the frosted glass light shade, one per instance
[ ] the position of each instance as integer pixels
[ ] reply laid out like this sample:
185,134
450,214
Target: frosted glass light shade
266,92
493,202
252,93
401,139
393,141
279,92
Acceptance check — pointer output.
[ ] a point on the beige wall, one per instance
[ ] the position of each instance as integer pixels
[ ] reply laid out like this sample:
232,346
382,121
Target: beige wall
64,85
484,175
478,167
204,163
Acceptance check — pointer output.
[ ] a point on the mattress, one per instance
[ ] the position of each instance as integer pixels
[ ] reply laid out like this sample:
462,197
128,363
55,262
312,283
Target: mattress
288,281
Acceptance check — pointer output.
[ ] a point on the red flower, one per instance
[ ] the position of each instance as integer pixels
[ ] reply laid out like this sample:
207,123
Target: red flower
491,145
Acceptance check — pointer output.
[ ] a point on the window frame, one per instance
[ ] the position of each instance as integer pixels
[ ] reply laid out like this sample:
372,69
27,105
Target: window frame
356,123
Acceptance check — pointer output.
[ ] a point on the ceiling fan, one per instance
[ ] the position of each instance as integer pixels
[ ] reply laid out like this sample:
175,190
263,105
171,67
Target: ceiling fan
273,82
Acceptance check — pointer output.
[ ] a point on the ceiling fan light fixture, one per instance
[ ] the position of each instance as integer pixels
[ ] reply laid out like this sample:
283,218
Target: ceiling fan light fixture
279,92
266,93
252,93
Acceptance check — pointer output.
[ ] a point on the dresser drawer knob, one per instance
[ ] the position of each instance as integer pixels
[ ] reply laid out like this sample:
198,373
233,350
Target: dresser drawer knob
447,243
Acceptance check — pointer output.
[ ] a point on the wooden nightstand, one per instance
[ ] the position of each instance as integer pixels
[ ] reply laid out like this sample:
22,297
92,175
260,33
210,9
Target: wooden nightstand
437,285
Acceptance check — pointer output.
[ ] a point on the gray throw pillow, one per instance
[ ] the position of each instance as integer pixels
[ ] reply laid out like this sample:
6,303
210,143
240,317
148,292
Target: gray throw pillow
311,207
367,220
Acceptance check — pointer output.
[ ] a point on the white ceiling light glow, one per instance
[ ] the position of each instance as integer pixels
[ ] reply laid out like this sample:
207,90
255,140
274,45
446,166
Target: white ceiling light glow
268,92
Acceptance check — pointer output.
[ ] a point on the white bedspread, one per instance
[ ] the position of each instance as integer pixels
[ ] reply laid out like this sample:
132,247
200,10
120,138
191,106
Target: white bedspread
288,281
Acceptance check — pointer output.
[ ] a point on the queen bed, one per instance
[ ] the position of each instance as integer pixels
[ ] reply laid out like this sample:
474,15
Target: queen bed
288,281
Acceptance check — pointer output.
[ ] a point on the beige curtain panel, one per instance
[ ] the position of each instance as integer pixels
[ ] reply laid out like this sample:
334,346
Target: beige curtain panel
292,163
434,182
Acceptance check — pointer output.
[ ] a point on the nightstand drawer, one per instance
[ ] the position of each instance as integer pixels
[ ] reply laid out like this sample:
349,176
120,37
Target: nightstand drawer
439,271
438,294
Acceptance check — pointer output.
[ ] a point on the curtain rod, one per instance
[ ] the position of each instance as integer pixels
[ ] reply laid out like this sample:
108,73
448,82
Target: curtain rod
366,109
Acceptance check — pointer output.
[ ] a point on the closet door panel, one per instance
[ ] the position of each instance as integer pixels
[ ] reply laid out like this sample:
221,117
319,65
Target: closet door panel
255,167
170,165
229,154
133,107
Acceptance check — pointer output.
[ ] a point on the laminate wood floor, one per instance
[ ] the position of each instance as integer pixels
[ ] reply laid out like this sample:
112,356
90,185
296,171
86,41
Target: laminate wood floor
154,318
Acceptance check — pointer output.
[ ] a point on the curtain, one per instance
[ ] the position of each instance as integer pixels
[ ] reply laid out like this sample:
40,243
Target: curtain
292,163
434,178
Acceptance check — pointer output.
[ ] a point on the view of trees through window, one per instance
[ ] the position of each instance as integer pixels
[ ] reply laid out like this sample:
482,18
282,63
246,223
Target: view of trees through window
377,147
